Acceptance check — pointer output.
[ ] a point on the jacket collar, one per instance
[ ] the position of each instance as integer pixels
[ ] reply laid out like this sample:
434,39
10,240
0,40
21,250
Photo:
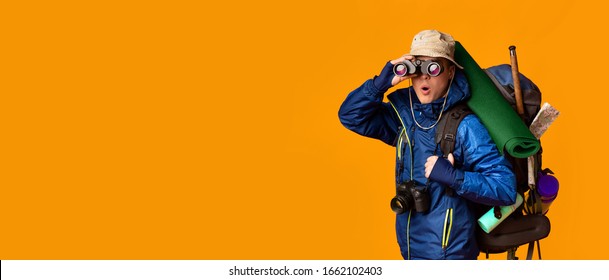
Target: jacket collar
458,92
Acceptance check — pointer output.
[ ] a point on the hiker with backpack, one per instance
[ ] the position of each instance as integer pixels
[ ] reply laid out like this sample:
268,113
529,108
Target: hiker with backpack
434,192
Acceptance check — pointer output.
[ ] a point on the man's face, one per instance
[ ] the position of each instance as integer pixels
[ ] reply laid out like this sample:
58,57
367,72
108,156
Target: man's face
430,88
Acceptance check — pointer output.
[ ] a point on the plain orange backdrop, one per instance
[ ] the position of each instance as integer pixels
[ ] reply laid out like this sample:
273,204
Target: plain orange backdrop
209,129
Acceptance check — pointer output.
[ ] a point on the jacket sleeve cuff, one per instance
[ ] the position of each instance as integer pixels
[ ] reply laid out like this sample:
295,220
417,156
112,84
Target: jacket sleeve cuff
459,177
372,90
444,172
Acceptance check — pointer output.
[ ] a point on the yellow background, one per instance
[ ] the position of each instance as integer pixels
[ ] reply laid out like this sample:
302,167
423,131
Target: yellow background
209,129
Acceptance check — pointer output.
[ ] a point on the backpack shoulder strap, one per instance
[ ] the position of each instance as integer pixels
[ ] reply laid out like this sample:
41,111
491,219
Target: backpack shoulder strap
446,131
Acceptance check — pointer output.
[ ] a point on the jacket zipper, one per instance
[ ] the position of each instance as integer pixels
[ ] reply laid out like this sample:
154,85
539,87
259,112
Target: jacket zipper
448,223
400,143
403,133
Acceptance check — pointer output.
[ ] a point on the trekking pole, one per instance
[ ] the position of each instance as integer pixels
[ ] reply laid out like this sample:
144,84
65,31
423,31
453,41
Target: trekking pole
520,110
517,91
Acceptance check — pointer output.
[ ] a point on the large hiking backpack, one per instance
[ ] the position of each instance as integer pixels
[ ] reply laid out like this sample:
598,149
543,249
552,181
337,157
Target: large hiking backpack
520,227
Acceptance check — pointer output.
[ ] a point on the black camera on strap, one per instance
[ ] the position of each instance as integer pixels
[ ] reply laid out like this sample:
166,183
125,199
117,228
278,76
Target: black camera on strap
408,197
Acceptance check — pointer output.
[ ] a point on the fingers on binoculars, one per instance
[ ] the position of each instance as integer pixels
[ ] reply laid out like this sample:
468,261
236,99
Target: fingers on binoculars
402,58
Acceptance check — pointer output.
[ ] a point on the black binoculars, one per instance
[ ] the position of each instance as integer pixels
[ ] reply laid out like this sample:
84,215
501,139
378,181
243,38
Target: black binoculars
428,67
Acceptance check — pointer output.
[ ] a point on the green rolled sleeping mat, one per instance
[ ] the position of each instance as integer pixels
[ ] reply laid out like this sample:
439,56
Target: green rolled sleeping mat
503,123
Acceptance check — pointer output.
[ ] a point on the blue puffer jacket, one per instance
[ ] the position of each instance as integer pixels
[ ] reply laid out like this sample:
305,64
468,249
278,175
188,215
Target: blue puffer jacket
447,230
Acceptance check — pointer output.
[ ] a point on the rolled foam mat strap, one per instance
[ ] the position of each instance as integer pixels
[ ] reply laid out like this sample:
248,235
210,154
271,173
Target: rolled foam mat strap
502,122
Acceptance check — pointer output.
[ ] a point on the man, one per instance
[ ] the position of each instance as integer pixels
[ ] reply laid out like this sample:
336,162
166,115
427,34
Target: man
434,192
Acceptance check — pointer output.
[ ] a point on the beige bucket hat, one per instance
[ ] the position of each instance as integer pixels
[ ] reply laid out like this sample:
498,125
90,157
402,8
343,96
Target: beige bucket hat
434,43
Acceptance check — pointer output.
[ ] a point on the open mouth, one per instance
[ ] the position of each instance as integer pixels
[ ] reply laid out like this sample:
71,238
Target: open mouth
425,89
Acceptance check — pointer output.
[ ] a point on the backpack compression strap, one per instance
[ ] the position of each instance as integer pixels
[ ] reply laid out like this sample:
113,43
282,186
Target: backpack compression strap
446,131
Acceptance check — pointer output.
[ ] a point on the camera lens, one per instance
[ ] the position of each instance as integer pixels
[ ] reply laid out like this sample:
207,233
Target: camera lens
398,205
403,200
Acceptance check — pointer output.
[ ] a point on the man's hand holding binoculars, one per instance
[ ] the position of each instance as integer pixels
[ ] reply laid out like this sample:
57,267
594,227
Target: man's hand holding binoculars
387,78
